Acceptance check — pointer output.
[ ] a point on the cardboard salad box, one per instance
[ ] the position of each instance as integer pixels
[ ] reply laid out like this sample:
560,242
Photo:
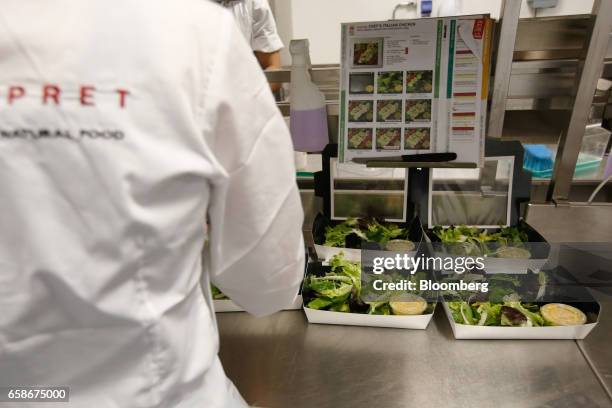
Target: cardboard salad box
561,287
468,332
354,244
326,182
416,322
539,252
356,319
519,194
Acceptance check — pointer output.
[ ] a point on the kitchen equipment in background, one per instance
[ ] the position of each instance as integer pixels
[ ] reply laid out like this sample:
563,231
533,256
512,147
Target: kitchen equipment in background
540,4
609,167
539,159
308,110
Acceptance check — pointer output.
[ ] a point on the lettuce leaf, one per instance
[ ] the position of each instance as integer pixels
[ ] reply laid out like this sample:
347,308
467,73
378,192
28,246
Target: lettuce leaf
369,230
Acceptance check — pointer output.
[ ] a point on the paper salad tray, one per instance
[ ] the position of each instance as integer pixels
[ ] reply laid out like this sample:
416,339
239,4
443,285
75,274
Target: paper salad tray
353,253
538,246
468,332
227,305
419,322
325,253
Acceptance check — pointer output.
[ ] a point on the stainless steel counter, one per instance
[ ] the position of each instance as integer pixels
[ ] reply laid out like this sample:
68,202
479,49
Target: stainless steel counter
282,361
580,223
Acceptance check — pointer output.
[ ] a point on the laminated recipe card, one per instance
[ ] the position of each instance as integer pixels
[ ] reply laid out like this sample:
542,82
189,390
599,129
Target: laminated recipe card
415,86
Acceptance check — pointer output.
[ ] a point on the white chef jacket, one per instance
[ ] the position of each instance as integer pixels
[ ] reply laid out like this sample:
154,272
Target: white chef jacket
122,124
256,21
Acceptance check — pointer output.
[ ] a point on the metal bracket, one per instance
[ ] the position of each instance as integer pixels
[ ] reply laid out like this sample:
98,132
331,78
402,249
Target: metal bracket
570,141
510,12
561,202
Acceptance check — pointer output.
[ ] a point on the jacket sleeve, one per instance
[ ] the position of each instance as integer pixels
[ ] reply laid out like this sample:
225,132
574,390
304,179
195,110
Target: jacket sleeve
255,214
265,34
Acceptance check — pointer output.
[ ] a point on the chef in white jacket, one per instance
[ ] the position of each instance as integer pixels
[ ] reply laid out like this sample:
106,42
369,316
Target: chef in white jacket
256,21
122,124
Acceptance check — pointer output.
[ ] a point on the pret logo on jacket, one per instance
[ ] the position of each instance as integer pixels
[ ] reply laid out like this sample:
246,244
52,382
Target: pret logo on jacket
54,94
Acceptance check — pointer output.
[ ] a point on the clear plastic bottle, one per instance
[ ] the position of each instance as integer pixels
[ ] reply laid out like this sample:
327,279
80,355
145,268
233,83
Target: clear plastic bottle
308,121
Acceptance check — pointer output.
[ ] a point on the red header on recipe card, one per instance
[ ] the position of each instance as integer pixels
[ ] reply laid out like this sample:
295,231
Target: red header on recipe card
478,30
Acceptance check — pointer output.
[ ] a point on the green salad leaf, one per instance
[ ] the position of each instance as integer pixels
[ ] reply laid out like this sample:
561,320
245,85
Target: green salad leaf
336,236
370,230
377,232
217,294
379,308
333,290
340,290
509,313
471,241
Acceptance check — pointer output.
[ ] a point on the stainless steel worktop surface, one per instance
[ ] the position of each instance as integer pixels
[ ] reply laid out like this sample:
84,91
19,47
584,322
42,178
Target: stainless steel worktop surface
597,348
282,361
580,223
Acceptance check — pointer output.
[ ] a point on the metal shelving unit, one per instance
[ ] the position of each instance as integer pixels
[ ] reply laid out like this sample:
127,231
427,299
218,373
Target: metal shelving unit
570,141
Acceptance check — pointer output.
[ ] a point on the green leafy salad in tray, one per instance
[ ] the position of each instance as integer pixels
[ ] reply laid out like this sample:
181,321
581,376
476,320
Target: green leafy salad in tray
217,294
514,313
503,305
340,290
388,235
507,242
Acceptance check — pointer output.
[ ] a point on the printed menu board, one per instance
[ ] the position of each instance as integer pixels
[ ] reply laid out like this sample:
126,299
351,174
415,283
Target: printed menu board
415,86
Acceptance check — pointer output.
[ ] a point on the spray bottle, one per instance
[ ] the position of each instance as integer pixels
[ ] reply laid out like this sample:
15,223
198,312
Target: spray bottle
308,109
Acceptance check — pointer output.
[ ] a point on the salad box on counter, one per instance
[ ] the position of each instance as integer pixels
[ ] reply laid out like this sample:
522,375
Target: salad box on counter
550,304
331,296
363,208
364,234
503,253
419,322
574,332
479,212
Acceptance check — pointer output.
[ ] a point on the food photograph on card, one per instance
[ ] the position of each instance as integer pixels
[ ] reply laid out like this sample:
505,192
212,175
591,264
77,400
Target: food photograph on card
388,138
361,111
419,81
360,138
368,53
390,82
418,110
362,83
389,110
417,138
